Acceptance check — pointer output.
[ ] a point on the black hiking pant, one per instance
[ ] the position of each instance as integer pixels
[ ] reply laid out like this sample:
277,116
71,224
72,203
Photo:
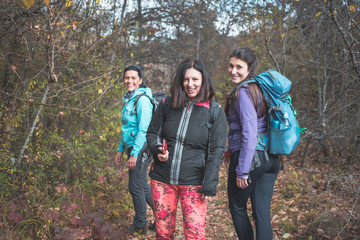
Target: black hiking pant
260,191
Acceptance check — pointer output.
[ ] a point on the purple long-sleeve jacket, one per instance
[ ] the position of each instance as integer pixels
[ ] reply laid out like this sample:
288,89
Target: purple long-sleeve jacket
243,128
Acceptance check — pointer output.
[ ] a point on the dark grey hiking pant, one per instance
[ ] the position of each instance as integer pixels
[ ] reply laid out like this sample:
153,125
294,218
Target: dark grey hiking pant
260,191
139,187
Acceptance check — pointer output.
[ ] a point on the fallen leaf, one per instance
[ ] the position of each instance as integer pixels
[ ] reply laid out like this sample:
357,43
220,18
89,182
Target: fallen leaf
320,231
286,235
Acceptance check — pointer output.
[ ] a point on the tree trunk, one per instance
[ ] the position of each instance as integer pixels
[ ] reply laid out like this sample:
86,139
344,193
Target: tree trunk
355,150
198,45
28,137
322,107
306,152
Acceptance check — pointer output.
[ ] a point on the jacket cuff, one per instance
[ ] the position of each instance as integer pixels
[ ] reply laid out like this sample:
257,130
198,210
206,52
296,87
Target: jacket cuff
120,149
208,193
134,154
243,176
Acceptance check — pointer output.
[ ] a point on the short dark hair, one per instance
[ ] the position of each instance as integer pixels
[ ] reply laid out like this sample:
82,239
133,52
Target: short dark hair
177,90
134,68
138,70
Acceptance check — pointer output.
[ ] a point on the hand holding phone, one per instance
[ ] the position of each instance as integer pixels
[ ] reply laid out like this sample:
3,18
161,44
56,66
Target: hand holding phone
164,146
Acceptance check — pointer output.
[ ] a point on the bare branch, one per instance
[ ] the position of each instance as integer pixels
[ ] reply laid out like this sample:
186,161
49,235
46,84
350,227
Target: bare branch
41,103
347,44
270,53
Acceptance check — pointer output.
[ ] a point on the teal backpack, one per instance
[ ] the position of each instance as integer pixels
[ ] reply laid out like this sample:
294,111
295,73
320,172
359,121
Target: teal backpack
283,130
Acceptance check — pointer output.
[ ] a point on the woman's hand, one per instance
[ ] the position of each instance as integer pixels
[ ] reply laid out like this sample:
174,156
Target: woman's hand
132,162
163,157
241,183
226,158
118,157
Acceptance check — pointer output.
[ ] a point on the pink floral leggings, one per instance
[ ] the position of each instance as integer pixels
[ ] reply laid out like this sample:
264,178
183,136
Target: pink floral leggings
165,198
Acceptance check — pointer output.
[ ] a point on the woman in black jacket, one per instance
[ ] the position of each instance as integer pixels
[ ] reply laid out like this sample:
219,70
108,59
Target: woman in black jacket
195,129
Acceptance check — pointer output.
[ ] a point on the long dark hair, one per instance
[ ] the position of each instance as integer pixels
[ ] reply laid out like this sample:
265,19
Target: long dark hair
177,90
247,55
138,70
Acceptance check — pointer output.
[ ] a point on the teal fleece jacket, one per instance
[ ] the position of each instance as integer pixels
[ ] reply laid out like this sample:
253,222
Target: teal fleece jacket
134,127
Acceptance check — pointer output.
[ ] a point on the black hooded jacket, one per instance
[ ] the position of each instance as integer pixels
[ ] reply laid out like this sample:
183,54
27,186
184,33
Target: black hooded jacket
186,131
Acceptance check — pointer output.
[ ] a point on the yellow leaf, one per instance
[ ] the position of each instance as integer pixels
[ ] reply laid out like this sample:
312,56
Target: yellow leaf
28,3
47,2
98,1
352,8
100,91
318,14
68,3
62,33
283,35
131,54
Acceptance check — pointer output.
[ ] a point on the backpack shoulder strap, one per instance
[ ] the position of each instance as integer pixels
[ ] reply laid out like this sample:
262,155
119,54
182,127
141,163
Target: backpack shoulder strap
242,83
133,112
214,110
167,106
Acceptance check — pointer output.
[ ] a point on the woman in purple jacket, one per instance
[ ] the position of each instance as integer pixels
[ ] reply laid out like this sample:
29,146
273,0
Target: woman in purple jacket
245,123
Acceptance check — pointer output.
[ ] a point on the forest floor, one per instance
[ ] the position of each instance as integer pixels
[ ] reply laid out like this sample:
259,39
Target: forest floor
307,204
318,201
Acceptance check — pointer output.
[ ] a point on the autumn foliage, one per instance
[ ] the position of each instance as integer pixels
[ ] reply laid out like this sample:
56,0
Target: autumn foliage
61,86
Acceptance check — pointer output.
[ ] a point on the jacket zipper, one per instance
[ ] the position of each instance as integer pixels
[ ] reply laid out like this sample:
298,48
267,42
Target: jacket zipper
180,136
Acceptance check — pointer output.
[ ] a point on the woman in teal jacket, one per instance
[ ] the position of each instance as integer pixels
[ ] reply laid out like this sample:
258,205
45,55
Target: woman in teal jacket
133,141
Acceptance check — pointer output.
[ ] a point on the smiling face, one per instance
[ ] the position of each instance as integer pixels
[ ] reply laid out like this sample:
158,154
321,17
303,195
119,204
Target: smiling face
132,80
238,70
192,83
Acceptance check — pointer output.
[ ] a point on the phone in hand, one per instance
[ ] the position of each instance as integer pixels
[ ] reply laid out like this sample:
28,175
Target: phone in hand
164,146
